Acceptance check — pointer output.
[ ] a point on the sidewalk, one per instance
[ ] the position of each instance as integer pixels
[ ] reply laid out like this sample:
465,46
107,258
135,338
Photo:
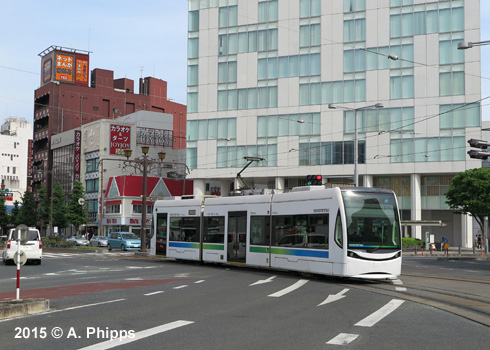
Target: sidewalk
453,252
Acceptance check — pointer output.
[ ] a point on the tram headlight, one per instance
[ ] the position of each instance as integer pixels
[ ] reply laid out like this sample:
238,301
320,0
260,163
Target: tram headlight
351,254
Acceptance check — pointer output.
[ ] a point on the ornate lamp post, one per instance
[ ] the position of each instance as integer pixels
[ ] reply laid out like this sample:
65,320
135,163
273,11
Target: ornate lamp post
143,164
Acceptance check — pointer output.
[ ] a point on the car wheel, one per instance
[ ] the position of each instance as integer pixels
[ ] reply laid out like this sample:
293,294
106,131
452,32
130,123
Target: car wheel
109,247
39,262
123,247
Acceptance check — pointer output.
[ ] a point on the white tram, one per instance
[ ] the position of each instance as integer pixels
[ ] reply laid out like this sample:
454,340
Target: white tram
347,232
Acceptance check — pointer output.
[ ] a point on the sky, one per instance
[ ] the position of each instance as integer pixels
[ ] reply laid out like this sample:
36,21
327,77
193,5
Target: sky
133,39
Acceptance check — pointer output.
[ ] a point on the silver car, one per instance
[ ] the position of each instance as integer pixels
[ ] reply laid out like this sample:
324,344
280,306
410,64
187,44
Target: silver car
98,241
78,240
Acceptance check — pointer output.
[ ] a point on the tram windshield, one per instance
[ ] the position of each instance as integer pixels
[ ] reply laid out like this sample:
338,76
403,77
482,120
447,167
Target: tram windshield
372,220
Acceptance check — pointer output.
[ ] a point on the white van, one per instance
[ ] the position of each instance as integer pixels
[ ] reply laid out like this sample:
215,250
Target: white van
33,248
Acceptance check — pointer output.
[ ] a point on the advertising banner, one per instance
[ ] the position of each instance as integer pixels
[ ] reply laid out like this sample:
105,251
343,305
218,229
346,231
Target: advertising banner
120,139
78,148
64,70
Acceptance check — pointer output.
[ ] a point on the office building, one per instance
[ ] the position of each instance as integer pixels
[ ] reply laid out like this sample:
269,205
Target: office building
298,83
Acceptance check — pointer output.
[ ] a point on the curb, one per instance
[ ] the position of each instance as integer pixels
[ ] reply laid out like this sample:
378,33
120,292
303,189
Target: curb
15,308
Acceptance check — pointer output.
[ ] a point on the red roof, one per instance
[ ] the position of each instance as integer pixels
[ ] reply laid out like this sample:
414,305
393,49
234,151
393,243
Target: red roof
132,186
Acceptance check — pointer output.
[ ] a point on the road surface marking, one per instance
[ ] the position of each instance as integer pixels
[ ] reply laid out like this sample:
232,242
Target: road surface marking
289,289
401,289
160,291
60,310
334,297
343,339
180,287
377,316
138,336
263,281
200,281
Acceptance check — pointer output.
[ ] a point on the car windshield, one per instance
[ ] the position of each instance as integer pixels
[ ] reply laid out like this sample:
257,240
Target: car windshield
129,236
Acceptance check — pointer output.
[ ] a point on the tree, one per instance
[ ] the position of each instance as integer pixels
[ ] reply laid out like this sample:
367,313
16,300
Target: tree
59,207
14,214
4,218
469,193
44,208
77,214
28,212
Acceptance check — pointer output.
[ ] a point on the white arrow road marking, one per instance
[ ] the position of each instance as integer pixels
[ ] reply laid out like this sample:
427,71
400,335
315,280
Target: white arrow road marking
263,281
289,289
343,339
377,316
138,336
334,297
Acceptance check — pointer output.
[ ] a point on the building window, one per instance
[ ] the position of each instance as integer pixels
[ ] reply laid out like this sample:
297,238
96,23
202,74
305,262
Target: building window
228,16
138,209
113,209
310,8
268,11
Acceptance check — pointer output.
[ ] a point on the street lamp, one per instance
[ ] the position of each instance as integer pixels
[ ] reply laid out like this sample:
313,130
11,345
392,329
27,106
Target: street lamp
377,105
143,164
469,45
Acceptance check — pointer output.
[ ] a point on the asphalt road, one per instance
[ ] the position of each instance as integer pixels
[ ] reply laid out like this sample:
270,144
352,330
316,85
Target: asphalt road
157,304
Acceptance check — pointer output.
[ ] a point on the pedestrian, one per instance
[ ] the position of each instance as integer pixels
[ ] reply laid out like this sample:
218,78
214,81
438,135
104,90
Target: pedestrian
479,241
443,240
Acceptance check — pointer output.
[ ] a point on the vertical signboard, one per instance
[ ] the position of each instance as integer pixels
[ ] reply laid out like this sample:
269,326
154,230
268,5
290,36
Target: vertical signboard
47,70
64,69
78,148
120,139
29,165
81,70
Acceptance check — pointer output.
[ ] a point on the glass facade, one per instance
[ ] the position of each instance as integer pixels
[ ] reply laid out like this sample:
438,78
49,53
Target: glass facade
315,68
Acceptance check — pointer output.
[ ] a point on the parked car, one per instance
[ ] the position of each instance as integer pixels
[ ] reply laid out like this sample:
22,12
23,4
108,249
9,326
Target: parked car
80,241
123,241
98,241
33,248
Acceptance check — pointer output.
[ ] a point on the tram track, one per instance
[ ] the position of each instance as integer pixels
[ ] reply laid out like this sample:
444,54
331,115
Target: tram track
465,296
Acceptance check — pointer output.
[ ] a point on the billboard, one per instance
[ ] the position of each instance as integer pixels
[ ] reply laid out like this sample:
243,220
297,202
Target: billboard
65,66
120,139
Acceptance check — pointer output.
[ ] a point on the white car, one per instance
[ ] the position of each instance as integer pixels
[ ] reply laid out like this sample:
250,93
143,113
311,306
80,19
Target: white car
33,248
78,240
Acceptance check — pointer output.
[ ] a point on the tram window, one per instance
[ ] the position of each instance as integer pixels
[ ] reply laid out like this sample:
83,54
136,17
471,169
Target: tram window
307,231
184,229
214,229
338,231
162,226
259,230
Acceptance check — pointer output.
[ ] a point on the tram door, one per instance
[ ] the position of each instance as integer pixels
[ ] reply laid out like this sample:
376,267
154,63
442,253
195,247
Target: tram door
237,236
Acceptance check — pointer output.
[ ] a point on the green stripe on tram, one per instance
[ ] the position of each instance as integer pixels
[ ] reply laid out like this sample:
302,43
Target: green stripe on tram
213,246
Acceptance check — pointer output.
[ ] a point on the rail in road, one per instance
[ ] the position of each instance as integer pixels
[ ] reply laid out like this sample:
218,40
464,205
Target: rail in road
465,296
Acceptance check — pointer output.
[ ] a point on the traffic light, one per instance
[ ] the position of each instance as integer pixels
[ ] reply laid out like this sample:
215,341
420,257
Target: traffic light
312,180
478,144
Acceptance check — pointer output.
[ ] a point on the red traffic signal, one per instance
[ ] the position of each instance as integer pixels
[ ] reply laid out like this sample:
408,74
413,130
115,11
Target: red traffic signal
312,180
